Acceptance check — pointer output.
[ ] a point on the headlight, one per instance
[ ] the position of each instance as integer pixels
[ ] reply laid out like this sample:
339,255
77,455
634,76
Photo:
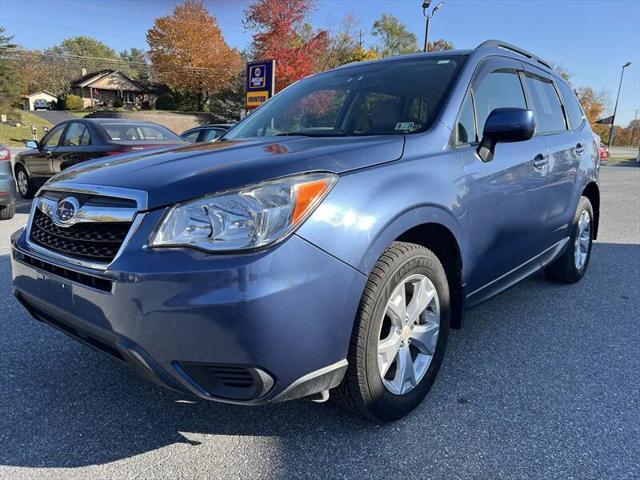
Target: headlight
250,217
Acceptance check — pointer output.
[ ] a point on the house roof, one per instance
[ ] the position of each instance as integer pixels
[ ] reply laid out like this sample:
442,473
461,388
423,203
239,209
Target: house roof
90,78
38,93
84,80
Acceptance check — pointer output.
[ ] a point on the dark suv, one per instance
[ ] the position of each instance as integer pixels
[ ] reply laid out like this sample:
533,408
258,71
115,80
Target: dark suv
330,240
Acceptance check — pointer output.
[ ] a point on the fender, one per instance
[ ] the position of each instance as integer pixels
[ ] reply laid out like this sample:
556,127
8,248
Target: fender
370,219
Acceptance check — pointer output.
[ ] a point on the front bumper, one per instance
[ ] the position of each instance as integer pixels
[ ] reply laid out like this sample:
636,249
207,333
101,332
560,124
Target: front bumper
281,317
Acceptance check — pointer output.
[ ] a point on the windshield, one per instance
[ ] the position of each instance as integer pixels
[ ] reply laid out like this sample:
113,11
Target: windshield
394,97
139,131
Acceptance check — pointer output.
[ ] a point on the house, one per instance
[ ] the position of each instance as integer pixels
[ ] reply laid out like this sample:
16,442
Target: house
104,87
28,101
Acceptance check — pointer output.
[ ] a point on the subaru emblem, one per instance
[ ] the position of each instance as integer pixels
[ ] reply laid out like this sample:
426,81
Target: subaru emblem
66,211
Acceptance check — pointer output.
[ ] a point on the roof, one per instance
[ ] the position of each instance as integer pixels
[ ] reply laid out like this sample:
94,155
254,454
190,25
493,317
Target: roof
93,77
38,93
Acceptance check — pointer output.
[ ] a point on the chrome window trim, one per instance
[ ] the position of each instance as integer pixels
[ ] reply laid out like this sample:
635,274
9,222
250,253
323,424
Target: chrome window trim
139,196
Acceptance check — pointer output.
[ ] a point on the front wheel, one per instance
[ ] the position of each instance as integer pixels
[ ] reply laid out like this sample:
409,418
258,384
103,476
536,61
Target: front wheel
400,334
571,266
25,184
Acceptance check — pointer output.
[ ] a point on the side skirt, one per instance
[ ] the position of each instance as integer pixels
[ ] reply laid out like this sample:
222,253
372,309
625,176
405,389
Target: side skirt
514,276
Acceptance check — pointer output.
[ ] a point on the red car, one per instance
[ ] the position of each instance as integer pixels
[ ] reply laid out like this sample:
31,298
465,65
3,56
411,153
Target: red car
604,152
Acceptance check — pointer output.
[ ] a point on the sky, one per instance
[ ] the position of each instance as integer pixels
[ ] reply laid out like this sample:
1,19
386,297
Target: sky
591,39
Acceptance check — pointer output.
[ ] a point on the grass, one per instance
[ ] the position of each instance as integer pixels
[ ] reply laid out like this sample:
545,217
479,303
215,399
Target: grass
16,136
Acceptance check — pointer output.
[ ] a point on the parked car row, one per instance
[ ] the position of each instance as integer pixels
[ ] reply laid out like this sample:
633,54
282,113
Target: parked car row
76,141
7,185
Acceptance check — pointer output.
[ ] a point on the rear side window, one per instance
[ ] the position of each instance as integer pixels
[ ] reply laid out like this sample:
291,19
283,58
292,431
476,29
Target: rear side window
466,128
191,136
212,134
546,105
76,136
572,105
500,89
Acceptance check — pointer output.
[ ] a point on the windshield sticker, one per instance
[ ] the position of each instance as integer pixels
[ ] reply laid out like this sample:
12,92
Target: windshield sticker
404,126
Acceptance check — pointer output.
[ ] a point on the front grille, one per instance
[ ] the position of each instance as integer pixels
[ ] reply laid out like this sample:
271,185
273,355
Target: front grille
95,241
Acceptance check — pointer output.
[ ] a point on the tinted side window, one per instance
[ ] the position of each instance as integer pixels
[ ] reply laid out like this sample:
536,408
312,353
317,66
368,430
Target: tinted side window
546,105
498,90
572,105
466,128
191,136
76,135
212,134
53,137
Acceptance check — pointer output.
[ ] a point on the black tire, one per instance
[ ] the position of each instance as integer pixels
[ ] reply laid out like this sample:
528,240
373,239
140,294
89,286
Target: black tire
8,212
31,189
362,389
564,268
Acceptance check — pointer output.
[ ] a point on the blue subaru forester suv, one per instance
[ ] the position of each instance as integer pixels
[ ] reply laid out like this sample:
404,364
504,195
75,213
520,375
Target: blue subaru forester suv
328,242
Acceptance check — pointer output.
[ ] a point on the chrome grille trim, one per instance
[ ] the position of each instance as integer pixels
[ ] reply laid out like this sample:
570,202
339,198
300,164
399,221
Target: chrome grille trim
134,216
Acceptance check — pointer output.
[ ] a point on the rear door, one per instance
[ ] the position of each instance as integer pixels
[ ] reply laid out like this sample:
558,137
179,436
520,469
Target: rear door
76,147
565,150
506,200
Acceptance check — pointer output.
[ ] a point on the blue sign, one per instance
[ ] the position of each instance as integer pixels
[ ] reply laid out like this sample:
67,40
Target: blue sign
260,82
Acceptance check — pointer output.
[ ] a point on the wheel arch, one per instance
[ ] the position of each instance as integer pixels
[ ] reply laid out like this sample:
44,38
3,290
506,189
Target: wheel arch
444,244
592,192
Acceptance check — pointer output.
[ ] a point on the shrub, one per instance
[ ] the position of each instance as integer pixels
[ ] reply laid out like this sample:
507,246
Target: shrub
73,102
165,102
117,103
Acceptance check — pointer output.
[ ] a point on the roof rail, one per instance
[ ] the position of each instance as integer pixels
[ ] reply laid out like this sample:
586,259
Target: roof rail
513,48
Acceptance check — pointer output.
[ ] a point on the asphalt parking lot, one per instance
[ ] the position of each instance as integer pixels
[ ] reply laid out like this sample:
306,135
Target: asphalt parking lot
543,381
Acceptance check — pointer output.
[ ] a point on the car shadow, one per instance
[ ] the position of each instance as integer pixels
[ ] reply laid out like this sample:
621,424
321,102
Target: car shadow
632,162
64,405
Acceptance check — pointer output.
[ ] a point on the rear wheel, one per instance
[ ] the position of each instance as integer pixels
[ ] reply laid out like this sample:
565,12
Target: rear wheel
25,184
400,334
7,213
571,266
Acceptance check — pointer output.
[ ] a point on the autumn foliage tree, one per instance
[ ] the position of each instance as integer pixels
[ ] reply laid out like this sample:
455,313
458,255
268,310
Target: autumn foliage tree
282,34
189,54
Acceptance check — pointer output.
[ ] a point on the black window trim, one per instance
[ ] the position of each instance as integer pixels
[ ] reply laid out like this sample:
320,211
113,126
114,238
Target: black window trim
517,67
529,96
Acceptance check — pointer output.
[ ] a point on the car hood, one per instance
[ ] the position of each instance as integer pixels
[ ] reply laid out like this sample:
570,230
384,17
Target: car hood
188,172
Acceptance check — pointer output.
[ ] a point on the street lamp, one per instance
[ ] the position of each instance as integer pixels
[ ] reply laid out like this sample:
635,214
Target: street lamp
615,108
425,12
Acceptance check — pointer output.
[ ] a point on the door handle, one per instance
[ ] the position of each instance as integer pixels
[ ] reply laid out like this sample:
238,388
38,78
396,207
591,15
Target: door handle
579,149
540,160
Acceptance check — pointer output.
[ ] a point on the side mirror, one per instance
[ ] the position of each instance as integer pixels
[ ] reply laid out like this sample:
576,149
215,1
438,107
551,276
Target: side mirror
31,144
505,125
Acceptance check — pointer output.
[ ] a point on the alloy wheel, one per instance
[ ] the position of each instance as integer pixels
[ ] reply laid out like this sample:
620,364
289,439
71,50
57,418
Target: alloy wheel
583,240
23,182
408,334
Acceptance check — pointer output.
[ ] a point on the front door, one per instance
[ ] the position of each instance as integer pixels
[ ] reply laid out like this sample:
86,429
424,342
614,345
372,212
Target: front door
38,161
506,196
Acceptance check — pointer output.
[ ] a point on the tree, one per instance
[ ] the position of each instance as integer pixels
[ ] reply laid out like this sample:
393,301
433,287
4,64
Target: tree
189,53
394,37
9,81
85,52
594,105
134,63
282,34
440,45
